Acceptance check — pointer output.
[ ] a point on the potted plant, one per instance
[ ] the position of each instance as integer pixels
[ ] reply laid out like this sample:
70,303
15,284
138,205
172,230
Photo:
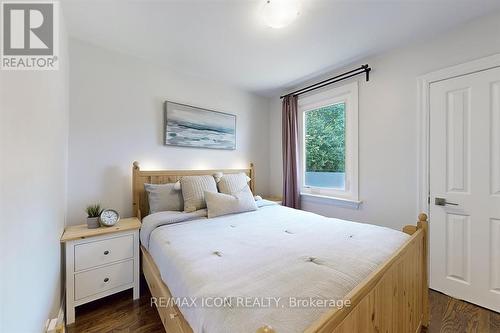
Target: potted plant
93,212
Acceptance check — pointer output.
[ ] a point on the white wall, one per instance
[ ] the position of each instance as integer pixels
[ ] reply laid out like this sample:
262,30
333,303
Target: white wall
116,117
387,123
33,166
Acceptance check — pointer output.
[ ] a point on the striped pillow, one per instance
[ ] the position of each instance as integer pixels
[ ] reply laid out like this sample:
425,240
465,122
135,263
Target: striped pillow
232,183
193,191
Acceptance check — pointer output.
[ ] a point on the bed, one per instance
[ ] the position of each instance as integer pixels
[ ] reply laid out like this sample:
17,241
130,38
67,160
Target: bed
283,257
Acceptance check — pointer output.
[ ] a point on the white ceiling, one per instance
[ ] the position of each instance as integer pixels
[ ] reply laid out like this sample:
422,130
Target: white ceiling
225,41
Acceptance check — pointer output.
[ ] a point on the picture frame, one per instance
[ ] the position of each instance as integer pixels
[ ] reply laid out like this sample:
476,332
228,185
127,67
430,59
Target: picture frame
191,126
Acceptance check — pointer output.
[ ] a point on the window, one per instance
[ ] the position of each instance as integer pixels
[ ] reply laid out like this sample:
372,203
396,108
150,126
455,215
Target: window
329,145
325,146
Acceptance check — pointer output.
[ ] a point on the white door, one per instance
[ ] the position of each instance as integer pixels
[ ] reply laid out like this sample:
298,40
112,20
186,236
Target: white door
465,174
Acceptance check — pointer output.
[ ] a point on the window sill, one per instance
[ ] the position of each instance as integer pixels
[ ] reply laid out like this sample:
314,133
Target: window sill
341,202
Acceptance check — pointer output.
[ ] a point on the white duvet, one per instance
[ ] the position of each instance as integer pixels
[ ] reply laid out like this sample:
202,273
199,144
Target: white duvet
262,264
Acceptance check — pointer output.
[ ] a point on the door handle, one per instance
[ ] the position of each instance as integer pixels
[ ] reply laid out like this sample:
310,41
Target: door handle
443,202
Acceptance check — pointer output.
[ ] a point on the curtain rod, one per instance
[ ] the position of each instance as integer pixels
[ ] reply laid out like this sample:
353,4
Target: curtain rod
360,70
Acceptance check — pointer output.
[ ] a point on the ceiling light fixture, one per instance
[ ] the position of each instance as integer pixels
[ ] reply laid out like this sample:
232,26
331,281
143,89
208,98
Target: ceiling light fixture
280,13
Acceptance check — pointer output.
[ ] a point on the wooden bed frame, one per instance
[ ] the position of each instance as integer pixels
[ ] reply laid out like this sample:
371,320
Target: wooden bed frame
393,298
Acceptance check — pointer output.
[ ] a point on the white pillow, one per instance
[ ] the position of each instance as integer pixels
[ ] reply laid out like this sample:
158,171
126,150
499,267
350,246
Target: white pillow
163,197
194,189
232,183
219,204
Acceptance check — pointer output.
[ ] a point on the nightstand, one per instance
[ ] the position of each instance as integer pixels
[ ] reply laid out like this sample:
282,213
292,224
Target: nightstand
100,262
274,198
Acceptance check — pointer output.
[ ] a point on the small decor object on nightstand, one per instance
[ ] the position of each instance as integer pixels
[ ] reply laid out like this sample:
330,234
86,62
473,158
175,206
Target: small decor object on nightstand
109,217
93,213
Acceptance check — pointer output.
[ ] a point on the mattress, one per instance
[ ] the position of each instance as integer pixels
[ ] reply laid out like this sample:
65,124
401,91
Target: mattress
275,266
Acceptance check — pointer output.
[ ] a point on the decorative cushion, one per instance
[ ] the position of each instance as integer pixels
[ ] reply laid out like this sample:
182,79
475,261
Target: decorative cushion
232,183
218,176
163,197
193,191
219,204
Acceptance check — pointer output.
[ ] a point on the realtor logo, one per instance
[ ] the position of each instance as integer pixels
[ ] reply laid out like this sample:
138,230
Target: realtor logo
29,35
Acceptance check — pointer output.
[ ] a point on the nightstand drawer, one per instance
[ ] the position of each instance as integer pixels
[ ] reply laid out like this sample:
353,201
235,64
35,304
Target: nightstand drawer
101,279
103,252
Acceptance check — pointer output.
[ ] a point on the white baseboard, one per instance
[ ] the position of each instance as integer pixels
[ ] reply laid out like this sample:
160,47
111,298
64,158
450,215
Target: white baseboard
57,325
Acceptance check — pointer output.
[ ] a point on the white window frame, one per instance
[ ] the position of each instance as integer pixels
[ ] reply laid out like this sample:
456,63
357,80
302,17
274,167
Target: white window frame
349,95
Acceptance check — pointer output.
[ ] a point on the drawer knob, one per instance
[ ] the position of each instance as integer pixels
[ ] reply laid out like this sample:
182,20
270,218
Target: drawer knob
106,279
106,252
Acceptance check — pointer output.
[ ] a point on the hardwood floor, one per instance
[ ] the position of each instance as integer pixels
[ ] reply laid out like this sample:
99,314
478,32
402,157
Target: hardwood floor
449,315
119,314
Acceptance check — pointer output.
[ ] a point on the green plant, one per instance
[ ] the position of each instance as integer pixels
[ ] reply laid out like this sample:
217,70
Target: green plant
325,139
94,210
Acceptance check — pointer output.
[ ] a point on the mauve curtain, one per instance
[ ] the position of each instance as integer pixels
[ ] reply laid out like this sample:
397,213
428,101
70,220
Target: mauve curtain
291,194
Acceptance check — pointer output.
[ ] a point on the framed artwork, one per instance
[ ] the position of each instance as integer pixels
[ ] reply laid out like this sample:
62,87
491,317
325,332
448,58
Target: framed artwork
190,126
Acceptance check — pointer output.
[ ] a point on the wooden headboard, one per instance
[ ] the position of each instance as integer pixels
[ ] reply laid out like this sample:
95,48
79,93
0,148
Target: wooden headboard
140,206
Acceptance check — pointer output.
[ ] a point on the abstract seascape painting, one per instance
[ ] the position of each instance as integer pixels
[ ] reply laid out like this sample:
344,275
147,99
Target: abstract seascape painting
189,126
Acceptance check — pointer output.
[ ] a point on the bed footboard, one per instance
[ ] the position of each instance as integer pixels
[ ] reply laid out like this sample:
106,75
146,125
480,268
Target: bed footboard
394,298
